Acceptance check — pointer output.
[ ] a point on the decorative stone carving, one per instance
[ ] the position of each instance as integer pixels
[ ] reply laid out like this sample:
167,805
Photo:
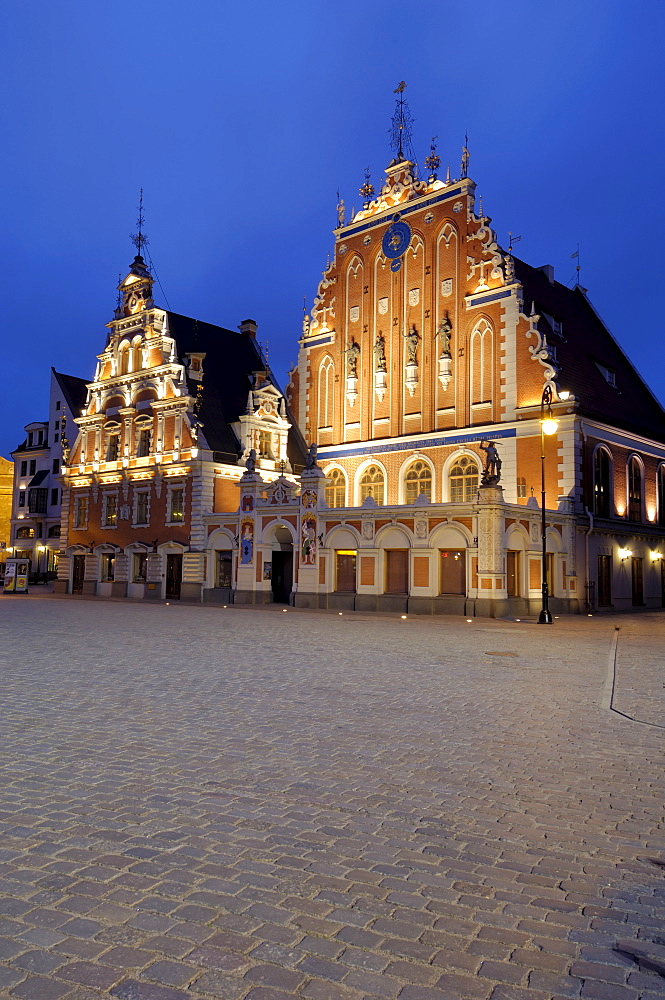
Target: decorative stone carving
368,528
414,296
383,305
492,471
421,529
354,314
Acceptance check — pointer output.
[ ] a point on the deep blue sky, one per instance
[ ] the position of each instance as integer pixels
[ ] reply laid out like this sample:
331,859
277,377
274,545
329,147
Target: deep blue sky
241,121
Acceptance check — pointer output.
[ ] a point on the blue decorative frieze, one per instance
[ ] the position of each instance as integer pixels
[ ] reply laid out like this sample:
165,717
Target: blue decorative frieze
439,441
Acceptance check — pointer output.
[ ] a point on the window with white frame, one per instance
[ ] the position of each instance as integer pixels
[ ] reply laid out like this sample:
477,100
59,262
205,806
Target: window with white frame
463,480
418,479
139,567
81,512
113,444
142,507
143,441
372,484
176,508
108,566
335,488
110,510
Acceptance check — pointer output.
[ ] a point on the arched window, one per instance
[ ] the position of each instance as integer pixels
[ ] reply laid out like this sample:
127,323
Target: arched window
481,363
463,480
112,442
372,484
124,359
661,494
417,480
601,483
335,488
326,389
634,490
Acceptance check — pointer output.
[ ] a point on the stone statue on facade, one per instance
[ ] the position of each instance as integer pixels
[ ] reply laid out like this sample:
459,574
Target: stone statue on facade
352,355
492,471
310,460
250,462
380,353
444,333
412,338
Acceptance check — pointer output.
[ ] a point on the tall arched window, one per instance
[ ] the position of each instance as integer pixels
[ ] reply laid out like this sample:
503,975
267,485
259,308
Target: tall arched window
601,483
481,363
661,494
463,480
372,484
634,490
417,480
326,390
124,359
336,488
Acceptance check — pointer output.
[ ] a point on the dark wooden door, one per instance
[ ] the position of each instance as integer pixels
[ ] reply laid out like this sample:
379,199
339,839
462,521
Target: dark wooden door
346,572
282,577
513,573
453,571
604,581
78,574
173,575
397,571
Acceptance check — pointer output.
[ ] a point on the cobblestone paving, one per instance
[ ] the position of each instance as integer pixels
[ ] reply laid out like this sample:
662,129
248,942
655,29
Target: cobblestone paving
640,692
256,805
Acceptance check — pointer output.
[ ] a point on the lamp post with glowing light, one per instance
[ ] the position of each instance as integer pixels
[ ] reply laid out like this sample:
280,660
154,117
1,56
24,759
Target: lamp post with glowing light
548,426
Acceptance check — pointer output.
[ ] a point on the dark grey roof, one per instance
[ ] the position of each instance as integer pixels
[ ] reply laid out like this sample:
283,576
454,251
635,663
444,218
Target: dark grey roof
584,344
39,478
230,360
74,391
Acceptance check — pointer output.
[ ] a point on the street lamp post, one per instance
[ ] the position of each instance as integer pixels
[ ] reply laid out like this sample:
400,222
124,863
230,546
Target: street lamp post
548,426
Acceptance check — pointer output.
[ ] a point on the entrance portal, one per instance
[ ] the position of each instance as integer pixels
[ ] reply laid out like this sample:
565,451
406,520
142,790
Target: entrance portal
78,573
173,575
282,576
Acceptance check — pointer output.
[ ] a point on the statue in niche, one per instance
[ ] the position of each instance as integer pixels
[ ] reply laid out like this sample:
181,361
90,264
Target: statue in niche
445,334
352,355
380,353
492,471
412,338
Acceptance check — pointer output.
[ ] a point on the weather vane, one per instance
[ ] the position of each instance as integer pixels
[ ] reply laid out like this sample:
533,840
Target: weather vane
400,131
433,161
140,239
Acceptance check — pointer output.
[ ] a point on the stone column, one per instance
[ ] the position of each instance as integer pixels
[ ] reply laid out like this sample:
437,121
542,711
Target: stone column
247,589
312,496
492,595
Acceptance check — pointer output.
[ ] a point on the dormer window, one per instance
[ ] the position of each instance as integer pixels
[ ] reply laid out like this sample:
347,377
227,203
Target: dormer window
608,374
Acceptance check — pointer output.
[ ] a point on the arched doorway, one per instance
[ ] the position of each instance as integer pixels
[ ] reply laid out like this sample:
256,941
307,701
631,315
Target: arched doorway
282,566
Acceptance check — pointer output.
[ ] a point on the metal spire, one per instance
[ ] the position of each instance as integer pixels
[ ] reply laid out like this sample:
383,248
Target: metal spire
464,168
433,161
367,190
140,239
400,131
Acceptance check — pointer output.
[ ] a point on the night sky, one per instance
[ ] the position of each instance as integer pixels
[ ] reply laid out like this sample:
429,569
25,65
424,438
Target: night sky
242,120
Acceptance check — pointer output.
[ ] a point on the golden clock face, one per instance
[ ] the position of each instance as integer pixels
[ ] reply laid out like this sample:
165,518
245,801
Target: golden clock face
133,303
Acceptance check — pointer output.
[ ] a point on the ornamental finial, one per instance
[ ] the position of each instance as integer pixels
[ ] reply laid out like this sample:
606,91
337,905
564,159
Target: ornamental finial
140,239
400,130
367,190
433,161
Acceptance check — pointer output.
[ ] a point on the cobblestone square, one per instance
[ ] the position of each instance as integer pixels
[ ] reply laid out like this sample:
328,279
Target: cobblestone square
256,804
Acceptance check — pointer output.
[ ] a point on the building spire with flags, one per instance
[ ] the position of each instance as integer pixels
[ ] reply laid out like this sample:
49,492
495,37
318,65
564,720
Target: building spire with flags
578,267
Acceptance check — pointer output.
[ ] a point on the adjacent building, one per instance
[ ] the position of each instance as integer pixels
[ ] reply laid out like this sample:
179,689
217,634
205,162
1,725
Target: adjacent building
36,490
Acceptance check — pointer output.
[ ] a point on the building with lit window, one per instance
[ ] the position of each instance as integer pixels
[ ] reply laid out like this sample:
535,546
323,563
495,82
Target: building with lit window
36,492
177,414
427,344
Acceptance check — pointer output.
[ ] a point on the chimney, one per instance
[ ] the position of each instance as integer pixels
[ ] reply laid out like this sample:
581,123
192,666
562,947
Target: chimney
548,271
248,328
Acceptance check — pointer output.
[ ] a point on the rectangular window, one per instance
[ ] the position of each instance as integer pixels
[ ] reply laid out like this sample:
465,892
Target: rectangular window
108,566
56,438
41,438
453,571
55,497
113,448
57,425
33,466
140,567
24,468
177,505
110,510
56,465
345,577
21,498
37,500
265,441
604,581
81,512
57,405
143,443
397,571
224,565
141,514
521,488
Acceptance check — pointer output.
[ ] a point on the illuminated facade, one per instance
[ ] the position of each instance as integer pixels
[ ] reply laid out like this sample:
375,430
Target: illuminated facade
177,412
428,342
